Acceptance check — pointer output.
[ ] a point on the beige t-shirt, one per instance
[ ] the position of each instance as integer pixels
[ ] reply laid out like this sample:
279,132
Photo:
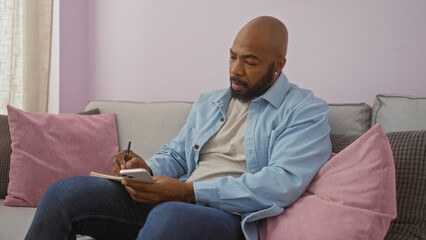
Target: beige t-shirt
224,154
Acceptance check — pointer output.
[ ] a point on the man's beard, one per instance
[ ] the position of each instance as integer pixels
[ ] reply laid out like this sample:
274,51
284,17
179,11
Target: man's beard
257,90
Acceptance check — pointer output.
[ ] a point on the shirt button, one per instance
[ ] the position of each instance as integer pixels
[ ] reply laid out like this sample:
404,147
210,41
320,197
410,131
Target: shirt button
222,119
196,147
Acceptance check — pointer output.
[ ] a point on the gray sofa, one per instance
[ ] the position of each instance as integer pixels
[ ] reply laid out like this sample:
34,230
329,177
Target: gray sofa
150,125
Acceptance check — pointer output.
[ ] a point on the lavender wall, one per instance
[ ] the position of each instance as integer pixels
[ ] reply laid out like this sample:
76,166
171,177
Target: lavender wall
345,51
73,67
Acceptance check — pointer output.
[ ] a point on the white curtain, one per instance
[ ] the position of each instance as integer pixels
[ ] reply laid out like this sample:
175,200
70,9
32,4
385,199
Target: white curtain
25,40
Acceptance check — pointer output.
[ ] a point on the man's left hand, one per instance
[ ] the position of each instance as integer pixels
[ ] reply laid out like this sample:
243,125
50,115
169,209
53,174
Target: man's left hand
163,189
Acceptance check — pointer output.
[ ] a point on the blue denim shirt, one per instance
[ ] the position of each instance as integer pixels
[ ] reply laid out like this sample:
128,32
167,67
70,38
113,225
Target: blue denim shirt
286,142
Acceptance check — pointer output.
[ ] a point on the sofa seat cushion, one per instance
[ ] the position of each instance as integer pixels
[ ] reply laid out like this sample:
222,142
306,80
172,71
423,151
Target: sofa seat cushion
15,221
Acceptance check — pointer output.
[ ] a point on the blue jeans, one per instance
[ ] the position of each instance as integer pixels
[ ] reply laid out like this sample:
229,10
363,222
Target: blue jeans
103,209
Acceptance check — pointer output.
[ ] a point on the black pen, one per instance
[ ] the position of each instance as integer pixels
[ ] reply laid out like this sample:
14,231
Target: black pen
126,158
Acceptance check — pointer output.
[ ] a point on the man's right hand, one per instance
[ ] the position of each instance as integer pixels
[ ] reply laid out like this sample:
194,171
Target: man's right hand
135,161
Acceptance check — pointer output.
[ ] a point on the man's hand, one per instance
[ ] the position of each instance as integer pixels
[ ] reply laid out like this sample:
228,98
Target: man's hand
163,189
135,161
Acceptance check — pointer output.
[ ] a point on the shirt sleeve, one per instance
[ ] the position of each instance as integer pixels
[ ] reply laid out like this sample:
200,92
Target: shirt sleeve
301,149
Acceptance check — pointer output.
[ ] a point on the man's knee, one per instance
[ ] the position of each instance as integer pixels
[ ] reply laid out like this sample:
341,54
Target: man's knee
166,220
169,212
177,220
63,191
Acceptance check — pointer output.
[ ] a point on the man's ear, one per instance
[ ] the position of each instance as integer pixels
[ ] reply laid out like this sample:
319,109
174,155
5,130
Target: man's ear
280,63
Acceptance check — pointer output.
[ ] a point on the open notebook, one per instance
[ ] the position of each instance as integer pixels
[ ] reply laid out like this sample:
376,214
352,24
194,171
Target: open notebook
110,177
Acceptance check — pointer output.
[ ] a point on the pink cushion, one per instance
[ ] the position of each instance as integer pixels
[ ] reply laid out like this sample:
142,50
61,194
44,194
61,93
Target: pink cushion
353,196
50,147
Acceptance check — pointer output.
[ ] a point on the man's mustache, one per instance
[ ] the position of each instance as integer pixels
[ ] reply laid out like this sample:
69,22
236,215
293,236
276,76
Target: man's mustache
238,81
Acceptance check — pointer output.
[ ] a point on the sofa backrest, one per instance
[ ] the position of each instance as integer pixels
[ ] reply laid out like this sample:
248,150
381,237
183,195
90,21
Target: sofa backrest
397,112
148,125
349,119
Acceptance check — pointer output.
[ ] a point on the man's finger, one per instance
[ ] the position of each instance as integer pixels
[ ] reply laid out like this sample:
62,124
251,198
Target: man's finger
145,197
133,155
136,163
139,186
119,158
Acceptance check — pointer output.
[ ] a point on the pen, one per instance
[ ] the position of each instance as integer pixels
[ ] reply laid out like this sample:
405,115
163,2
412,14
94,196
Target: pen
126,158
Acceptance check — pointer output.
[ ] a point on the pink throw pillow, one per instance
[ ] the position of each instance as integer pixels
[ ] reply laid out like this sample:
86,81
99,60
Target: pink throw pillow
50,147
353,196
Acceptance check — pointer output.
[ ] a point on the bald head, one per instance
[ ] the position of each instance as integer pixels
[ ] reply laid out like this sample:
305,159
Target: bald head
257,57
265,32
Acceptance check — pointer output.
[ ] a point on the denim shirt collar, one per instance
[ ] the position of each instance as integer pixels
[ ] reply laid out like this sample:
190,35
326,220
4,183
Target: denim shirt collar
275,94
222,99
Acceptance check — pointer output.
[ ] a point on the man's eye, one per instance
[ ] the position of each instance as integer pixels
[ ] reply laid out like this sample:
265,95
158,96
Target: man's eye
251,64
232,58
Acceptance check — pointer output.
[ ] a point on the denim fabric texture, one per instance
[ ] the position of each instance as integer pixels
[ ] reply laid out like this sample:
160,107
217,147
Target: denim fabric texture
103,209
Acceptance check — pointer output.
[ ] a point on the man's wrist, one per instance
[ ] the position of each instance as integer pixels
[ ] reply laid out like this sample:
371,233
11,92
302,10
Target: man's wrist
189,193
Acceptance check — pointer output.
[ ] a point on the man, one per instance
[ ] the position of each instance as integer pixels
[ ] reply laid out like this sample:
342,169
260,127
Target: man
244,154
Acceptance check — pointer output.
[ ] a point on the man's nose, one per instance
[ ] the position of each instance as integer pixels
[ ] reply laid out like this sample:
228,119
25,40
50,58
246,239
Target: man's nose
236,68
